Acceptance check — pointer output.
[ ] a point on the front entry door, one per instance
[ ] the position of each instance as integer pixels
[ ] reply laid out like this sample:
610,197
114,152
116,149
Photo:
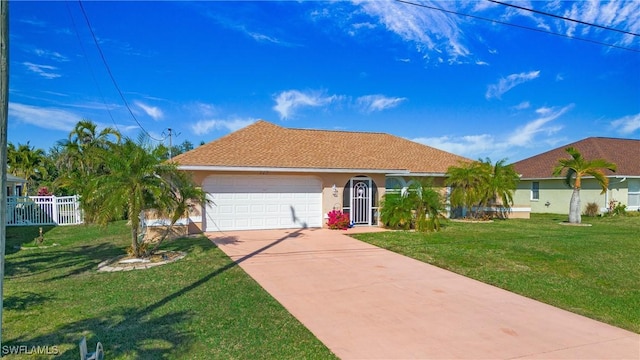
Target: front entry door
360,189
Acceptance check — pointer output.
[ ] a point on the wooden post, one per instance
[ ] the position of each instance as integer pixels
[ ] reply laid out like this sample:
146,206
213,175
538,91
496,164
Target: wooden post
4,111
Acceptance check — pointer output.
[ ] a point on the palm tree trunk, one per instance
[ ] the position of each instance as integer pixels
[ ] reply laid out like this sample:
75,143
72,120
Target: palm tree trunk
574,207
134,240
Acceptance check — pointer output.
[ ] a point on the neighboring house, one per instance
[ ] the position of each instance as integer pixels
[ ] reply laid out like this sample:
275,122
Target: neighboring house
15,185
548,194
268,177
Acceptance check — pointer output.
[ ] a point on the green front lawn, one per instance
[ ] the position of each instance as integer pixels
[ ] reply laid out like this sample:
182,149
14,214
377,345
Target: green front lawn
593,271
200,307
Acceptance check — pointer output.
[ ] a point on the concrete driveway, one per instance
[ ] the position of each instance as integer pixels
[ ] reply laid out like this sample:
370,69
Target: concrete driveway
364,302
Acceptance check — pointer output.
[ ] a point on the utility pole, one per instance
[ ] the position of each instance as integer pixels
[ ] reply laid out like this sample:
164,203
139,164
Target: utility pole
170,136
4,112
170,143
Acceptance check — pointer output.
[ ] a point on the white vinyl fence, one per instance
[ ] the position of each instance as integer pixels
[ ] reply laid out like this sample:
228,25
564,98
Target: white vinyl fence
43,210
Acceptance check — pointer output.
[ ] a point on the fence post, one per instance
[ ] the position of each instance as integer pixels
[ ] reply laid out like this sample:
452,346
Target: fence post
78,211
55,211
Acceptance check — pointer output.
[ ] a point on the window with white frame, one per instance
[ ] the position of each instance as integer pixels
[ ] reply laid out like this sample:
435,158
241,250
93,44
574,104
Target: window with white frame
535,190
634,193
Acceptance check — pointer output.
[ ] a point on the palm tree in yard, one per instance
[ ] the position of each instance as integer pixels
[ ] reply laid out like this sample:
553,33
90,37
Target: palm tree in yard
499,184
465,181
420,206
83,143
136,180
27,162
480,184
576,168
80,158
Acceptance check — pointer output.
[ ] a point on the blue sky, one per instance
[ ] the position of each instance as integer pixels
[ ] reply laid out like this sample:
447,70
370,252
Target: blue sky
203,69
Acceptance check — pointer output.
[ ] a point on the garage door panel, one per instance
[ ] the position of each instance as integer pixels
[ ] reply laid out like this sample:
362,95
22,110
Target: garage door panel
262,202
241,209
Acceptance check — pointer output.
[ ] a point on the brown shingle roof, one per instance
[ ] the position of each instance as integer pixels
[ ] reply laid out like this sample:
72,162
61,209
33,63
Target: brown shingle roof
264,144
625,153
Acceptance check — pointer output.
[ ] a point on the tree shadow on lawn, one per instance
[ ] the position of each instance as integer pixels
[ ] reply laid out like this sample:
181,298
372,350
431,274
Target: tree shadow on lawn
131,332
136,332
17,236
22,300
59,261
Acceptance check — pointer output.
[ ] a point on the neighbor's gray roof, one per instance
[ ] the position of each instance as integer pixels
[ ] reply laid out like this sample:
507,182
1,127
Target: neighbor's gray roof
15,179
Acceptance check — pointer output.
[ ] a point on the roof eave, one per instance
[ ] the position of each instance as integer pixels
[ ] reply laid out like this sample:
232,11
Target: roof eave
289,169
419,174
584,177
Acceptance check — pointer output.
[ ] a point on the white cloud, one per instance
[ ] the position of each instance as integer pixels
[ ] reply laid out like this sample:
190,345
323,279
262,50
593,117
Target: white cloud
371,103
534,134
234,24
469,145
523,105
627,124
53,55
45,71
203,109
288,102
509,82
264,38
364,25
482,63
526,134
46,118
152,111
203,127
615,14
431,31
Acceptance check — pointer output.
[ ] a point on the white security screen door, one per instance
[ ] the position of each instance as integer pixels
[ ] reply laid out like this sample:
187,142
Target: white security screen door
360,204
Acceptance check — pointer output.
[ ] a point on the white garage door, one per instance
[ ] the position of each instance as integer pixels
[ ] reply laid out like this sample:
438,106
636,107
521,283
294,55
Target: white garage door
255,202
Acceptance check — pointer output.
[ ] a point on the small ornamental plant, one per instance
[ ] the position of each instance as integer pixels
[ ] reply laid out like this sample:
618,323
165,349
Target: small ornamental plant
338,220
44,191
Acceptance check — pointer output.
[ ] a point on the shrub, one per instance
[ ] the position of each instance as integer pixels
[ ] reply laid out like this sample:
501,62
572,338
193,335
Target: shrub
592,209
616,208
620,209
397,211
44,191
418,208
338,220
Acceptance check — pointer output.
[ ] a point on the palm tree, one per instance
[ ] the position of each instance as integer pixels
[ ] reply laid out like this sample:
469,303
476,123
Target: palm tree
80,159
396,211
86,134
465,181
27,162
420,207
428,205
499,183
83,141
481,184
136,181
577,167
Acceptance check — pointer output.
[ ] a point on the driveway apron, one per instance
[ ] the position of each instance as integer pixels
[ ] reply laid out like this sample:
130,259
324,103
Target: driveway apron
364,302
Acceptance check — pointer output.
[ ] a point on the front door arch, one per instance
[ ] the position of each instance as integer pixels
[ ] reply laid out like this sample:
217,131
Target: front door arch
360,193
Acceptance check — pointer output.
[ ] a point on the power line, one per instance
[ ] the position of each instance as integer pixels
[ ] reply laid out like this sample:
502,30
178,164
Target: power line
104,60
93,76
564,18
516,25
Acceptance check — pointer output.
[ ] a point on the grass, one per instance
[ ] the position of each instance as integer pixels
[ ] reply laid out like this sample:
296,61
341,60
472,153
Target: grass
200,307
593,271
